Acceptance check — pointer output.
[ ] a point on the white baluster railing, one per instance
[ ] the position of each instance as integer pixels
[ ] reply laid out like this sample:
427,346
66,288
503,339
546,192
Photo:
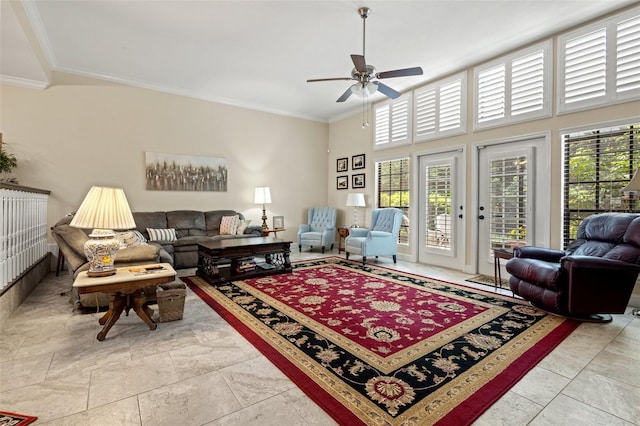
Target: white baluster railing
23,230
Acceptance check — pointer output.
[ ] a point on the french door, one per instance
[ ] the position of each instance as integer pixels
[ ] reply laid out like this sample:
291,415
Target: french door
513,198
441,213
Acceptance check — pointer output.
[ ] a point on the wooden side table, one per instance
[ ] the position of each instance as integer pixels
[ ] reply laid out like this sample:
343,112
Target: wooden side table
343,233
497,255
275,232
126,290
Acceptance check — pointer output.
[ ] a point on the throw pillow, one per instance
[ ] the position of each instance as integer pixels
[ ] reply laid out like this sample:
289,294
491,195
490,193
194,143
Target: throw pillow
228,225
167,234
242,225
130,238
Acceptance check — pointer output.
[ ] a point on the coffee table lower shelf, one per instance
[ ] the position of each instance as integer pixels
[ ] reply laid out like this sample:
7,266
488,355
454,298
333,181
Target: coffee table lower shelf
218,261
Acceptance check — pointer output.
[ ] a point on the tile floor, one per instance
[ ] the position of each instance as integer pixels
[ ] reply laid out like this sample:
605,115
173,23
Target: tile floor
200,371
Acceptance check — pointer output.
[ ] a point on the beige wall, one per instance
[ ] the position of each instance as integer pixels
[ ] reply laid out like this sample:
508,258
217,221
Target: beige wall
80,133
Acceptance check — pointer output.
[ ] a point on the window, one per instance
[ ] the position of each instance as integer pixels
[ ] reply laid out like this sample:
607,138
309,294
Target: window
598,163
393,123
600,64
393,190
514,88
440,109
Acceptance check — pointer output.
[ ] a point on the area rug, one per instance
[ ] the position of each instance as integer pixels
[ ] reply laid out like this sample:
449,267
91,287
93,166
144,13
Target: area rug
13,419
488,280
371,345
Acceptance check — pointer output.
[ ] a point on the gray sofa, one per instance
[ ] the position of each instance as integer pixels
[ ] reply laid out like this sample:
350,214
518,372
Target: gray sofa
191,227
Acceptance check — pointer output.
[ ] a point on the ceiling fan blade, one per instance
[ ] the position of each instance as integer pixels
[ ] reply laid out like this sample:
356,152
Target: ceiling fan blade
345,95
328,79
405,72
386,90
359,63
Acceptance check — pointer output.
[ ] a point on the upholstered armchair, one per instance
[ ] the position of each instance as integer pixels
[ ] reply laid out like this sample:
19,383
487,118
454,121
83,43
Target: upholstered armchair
320,231
593,278
379,240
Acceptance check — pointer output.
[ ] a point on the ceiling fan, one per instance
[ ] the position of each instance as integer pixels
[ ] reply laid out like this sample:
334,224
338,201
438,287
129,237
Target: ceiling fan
364,74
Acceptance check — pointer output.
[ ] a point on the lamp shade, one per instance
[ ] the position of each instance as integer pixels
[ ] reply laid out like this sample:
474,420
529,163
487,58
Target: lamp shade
355,200
262,195
104,208
634,184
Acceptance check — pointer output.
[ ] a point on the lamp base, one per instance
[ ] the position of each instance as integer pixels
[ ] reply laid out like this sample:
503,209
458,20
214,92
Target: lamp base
101,249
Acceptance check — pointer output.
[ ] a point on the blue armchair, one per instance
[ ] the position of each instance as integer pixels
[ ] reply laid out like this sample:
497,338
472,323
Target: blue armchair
380,240
320,229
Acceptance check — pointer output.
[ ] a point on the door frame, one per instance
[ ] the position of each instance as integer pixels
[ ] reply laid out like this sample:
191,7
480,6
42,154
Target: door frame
415,196
542,209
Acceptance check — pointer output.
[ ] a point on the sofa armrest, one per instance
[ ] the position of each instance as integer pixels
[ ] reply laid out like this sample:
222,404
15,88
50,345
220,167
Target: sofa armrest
253,230
141,253
540,253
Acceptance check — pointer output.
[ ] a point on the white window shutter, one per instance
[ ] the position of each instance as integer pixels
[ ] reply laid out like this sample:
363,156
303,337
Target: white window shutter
393,123
527,83
425,112
585,67
628,55
400,121
382,125
450,106
491,94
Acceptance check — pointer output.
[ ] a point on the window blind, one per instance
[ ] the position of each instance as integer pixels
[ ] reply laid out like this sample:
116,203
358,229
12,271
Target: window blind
628,55
585,67
597,164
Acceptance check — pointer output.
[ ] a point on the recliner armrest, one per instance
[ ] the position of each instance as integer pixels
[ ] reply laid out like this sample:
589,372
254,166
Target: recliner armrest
358,232
540,253
592,262
304,228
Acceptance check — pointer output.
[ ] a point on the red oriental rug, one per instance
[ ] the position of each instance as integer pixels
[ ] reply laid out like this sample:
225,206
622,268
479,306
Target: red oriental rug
13,419
371,345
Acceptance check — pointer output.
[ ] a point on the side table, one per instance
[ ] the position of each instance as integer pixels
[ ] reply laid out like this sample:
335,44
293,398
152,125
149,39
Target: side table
127,290
343,233
497,255
275,232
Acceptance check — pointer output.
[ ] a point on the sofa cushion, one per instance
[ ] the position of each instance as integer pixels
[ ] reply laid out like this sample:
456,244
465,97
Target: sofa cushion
142,253
154,220
228,225
71,241
214,218
168,234
242,225
130,238
184,220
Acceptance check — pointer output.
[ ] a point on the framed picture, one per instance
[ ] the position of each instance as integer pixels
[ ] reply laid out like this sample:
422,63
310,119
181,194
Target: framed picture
178,172
278,222
357,181
342,164
342,182
357,162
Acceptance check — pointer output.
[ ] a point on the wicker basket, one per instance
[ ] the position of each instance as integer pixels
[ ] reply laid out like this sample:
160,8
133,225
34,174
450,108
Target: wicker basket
171,301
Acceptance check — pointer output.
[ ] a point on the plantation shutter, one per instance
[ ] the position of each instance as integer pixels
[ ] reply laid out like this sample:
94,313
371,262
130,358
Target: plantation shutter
628,55
527,83
491,94
514,88
585,67
392,123
439,109
600,64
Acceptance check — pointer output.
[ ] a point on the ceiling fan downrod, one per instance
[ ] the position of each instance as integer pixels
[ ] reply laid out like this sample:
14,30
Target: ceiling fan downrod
364,13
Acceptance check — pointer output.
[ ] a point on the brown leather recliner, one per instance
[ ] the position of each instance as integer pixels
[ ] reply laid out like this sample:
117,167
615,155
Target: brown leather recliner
594,276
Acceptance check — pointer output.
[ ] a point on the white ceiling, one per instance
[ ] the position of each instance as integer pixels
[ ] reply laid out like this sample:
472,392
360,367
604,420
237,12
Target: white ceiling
259,54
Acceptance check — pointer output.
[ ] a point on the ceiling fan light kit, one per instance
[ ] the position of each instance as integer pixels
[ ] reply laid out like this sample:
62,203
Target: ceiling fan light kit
365,74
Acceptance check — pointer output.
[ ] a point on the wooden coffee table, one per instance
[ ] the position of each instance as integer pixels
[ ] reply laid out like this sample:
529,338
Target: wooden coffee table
219,261
126,290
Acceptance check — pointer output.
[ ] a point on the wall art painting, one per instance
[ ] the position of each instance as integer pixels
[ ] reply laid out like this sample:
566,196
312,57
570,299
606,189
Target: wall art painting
176,172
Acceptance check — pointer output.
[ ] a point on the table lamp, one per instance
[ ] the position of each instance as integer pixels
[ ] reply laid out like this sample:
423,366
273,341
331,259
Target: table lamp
263,196
632,190
355,200
103,210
